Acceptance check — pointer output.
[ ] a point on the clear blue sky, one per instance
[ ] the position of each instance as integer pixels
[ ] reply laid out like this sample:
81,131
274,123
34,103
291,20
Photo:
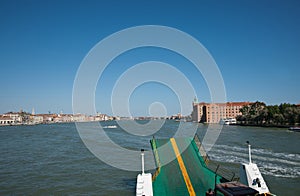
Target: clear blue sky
256,45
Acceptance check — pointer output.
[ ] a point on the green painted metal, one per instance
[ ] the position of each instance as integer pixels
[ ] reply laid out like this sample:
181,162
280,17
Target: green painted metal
169,179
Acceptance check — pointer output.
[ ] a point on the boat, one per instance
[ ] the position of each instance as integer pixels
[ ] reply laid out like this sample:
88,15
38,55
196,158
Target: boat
296,129
193,173
228,121
110,127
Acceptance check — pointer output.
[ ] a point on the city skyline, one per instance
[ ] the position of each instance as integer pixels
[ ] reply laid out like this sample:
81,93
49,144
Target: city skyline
255,45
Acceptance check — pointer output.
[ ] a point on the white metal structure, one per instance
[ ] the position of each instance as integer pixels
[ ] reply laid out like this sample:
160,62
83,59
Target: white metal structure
144,181
251,176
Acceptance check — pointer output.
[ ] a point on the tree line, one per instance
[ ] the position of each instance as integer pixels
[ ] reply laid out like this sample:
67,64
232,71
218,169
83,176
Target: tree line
259,113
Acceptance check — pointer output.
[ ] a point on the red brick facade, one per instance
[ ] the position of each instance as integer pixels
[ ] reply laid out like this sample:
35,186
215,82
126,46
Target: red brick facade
214,112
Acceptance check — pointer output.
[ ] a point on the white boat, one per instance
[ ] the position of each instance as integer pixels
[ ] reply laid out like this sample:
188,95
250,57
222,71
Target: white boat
296,129
228,121
110,127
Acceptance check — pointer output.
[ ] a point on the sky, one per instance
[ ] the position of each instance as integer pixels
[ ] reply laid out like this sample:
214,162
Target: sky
256,45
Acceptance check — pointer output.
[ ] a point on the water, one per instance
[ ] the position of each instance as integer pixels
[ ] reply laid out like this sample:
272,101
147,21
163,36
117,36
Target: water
275,151
52,159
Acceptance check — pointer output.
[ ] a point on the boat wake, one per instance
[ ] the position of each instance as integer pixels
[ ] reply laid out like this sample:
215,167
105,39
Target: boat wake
269,162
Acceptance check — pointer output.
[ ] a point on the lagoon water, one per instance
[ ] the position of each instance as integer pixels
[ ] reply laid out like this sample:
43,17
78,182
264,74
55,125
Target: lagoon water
52,159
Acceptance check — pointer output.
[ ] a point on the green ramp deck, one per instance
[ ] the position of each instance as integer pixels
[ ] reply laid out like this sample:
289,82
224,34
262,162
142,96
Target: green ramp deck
169,178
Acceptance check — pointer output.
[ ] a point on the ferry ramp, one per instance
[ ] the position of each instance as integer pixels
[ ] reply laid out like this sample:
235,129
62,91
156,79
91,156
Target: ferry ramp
181,169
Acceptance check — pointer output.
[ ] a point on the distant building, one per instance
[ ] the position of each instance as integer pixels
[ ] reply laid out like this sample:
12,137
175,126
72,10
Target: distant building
5,120
79,118
15,116
36,119
214,112
175,117
101,117
63,118
116,118
47,118
197,113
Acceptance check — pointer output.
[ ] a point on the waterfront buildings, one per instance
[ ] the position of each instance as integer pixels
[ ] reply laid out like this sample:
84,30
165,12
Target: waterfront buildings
5,120
35,119
24,118
17,117
214,112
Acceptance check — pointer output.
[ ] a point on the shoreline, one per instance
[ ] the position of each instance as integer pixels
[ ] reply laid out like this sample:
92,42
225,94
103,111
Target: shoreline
264,126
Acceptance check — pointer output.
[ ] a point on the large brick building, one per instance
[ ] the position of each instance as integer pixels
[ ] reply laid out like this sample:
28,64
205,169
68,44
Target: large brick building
214,112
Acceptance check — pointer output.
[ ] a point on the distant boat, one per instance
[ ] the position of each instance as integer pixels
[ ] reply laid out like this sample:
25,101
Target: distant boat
228,121
296,129
110,127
